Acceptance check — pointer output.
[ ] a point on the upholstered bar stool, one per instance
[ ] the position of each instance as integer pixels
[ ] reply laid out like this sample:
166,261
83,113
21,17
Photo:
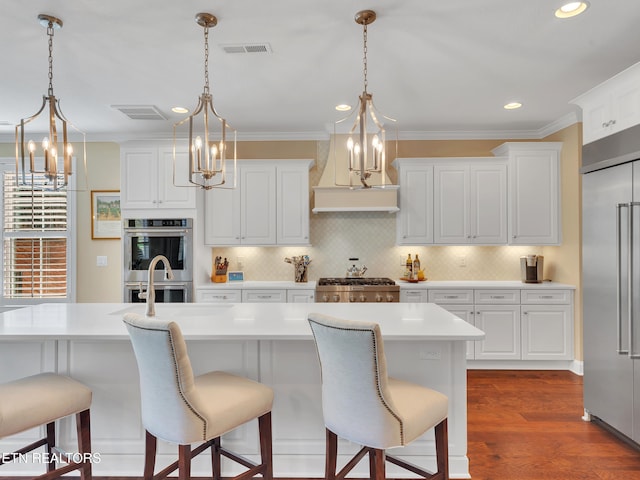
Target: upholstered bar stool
41,400
362,404
184,409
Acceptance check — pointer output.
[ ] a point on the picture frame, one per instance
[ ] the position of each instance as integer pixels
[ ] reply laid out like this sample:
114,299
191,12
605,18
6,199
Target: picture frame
106,216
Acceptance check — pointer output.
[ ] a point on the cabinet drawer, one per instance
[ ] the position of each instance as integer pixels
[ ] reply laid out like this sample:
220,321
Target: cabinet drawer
546,297
496,297
264,296
219,296
414,296
451,296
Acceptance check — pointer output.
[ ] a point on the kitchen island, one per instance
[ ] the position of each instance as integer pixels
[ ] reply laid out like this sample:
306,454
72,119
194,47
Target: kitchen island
271,343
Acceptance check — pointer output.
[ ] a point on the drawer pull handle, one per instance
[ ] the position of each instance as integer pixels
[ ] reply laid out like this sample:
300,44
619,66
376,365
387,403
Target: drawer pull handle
264,296
546,296
451,296
497,296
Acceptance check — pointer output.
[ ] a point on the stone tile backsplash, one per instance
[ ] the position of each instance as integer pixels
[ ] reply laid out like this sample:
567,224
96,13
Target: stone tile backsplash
370,236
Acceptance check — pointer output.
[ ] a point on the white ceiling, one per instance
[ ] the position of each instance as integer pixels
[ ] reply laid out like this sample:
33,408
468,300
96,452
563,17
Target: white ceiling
442,68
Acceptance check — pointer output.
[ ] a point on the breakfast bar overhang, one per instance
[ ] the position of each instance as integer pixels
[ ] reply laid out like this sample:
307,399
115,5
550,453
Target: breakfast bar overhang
271,343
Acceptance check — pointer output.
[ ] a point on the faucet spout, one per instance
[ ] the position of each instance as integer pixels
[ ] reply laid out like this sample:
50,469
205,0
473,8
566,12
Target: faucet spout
151,292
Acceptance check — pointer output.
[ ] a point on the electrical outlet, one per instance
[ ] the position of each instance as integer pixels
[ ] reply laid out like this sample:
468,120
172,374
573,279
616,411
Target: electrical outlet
462,261
101,261
429,355
240,262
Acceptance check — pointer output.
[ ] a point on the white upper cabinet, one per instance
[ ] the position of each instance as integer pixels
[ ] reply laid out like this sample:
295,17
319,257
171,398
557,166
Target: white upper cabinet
270,205
612,106
147,179
470,203
534,186
452,201
414,222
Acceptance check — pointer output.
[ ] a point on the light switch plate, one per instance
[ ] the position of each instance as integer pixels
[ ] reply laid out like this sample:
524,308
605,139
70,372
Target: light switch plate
101,261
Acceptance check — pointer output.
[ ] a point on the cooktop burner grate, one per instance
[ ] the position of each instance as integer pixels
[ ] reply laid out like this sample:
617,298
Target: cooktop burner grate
356,281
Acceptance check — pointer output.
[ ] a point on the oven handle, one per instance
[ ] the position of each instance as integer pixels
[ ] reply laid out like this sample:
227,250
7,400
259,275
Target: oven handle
143,231
158,285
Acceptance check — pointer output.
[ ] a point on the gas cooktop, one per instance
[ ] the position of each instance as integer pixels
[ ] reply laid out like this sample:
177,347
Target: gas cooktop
355,281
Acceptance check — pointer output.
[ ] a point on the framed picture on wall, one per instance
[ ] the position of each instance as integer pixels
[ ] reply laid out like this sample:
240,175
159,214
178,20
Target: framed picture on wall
106,221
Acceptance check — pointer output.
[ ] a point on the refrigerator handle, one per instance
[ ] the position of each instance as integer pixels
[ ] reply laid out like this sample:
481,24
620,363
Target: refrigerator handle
632,353
620,349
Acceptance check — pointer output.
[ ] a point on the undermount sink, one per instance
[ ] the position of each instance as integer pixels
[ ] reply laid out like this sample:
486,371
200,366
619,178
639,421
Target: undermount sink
176,310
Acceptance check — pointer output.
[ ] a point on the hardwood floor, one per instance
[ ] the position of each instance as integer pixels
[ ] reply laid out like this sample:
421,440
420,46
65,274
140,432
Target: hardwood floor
526,425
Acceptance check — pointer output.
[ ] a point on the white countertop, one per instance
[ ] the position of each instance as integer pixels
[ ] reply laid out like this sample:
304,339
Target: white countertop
257,321
257,285
311,285
478,284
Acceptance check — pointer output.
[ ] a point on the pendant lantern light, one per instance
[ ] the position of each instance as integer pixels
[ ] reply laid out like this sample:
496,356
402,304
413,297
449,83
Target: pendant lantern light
47,164
211,141
366,145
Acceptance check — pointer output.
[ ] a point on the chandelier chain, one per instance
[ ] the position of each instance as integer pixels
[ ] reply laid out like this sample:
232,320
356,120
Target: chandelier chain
206,60
364,59
50,34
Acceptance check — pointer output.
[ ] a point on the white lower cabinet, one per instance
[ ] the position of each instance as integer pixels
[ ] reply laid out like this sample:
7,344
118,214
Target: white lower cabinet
265,295
528,324
219,296
501,325
301,296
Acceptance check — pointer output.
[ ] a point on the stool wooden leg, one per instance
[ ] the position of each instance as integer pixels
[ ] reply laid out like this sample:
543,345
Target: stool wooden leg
150,444
264,426
83,430
51,442
216,466
442,449
331,455
377,469
184,462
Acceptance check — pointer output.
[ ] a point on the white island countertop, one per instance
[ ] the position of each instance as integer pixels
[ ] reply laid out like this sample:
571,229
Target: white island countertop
240,321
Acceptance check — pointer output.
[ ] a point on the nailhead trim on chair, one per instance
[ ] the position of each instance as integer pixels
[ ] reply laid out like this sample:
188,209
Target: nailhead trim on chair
375,358
175,366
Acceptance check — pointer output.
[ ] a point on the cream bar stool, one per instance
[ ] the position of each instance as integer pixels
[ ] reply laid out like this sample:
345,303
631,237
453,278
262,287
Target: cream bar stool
362,404
41,400
182,409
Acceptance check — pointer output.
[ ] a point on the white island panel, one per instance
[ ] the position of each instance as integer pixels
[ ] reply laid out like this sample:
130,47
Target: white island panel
271,343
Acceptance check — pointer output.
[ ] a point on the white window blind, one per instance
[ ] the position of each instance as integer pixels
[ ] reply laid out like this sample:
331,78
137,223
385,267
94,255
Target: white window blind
35,238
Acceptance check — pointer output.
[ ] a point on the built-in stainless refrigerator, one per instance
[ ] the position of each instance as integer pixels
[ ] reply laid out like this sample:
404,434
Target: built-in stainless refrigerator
611,283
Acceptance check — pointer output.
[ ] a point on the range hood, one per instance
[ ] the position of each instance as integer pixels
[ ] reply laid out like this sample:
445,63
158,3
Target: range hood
332,194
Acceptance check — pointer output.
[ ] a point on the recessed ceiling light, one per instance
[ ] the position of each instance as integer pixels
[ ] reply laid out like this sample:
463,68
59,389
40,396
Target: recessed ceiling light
343,107
512,105
571,9
179,110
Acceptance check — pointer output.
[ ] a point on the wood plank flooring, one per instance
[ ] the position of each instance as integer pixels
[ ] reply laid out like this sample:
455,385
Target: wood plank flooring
526,425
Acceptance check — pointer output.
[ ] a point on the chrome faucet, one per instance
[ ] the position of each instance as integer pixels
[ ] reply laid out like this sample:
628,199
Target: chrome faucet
150,294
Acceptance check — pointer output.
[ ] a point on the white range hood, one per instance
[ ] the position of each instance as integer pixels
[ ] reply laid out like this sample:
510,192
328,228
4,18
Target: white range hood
331,196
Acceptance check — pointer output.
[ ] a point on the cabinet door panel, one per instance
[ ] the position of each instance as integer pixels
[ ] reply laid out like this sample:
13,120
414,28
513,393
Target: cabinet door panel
293,206
466,313
258,217
169,194
222,216
488,204
451,204
501,324
415,219
547,332
139,178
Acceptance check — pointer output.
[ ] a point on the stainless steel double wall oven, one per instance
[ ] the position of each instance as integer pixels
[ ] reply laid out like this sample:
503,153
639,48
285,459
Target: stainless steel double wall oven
146,238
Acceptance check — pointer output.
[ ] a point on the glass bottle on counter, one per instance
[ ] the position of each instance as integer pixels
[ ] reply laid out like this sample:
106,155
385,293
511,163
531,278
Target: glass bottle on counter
408,271
416,267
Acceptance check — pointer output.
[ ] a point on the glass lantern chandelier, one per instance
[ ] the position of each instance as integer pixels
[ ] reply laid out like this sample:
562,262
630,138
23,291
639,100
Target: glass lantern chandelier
366,144
211,140
48,164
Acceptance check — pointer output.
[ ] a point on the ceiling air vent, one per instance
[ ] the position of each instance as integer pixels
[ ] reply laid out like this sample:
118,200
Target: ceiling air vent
140,112
247,48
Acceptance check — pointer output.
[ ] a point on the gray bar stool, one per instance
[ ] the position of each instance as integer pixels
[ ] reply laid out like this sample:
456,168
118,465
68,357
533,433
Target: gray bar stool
360,403
41,400
184,409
